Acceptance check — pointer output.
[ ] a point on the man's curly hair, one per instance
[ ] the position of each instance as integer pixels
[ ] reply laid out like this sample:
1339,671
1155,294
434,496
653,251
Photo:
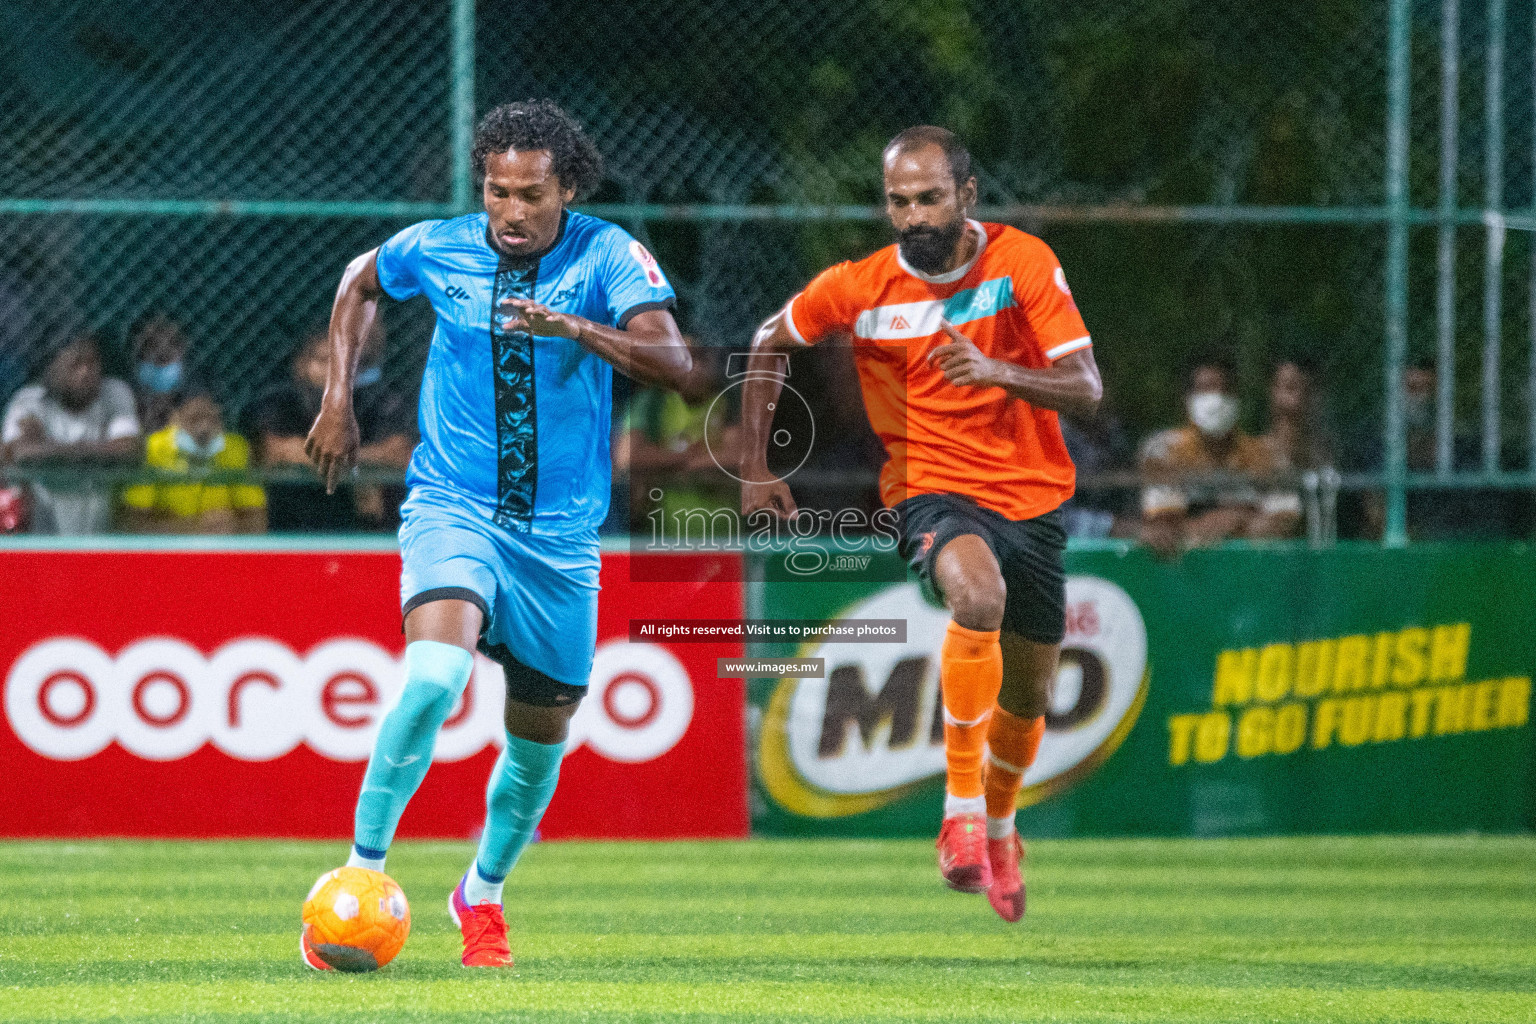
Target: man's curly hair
541,124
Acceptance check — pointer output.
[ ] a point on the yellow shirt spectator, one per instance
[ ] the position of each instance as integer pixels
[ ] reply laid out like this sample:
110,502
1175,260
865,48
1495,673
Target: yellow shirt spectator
194,497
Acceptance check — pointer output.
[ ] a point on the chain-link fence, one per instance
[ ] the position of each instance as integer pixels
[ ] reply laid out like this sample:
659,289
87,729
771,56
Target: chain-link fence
1215,175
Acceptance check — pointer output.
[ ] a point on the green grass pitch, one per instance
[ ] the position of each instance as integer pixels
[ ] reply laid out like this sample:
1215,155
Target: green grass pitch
1358,929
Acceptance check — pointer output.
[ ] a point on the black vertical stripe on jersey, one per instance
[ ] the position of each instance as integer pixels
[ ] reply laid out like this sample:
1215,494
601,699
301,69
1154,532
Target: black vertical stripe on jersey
517,424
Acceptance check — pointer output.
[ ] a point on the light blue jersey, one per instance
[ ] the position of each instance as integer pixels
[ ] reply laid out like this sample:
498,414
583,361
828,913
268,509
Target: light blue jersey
514,425
511,478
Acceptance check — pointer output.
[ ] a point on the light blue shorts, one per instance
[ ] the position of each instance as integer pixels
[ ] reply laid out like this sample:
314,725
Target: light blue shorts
538,594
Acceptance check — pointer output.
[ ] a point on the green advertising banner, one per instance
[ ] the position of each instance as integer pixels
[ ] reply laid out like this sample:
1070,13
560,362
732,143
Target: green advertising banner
1237,691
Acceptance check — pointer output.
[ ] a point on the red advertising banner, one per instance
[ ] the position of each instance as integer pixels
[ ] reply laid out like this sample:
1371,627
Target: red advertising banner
236,693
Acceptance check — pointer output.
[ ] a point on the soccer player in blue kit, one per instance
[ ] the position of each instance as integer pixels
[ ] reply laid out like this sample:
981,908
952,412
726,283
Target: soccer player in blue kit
536,305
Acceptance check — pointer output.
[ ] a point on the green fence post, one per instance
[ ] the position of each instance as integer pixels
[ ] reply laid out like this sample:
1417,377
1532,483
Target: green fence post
461,137
1445,269
1493,219
1397,272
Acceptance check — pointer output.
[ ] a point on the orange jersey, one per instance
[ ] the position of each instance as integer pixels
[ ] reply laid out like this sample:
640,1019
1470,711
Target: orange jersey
1012,300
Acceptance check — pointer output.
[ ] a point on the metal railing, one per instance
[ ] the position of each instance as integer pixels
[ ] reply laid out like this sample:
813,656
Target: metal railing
790,149
1319,490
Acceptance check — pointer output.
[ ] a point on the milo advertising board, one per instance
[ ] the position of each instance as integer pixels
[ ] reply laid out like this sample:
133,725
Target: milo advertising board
1237,691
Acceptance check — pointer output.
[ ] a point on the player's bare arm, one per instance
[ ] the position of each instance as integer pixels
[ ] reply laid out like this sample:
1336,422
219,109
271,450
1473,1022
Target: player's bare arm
649,349
333,441
760,489
1070,385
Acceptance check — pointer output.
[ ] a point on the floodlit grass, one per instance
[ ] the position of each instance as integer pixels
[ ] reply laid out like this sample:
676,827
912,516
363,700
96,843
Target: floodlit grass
1358,929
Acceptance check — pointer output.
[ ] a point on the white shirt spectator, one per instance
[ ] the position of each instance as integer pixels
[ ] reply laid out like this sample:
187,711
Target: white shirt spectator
87,507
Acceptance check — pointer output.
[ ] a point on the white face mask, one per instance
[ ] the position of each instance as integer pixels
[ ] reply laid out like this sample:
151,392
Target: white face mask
189,446
1213,413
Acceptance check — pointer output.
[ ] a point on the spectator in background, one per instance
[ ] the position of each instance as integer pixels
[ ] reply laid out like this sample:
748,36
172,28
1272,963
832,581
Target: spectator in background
660,444
1434,513
193,446
162,378
74,419
1298,437
391,415
1098,446
281,422
1421,387
1179,509
1298,441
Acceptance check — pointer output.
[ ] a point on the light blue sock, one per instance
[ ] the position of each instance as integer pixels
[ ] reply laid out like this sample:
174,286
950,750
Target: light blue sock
520,789
435,675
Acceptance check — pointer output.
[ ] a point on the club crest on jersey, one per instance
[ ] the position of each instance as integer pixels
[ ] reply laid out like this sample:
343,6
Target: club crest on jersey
647,263
1061,281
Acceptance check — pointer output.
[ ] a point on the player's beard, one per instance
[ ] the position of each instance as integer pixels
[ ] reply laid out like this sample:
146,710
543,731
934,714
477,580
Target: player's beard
929,249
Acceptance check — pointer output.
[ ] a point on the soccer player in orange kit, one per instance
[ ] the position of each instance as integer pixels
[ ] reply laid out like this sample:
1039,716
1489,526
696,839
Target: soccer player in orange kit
968,344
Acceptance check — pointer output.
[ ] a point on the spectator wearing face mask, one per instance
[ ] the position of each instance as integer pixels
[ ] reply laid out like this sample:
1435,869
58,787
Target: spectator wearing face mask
193,447
1433,513
281,421
162,378
1180,509
75,419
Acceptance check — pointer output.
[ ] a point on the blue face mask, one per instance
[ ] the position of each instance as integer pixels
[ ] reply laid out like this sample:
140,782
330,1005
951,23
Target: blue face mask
193,449
160,379
368,376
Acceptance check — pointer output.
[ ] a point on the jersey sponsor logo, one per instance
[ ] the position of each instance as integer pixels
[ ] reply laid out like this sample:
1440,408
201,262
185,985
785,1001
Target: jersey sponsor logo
453,291
160,698
872,731
642,256
905,320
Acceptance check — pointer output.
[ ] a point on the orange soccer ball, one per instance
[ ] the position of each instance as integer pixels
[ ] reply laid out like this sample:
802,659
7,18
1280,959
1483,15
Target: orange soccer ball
356,919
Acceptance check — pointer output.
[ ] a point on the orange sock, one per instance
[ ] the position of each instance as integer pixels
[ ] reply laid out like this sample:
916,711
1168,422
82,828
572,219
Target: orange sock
971,674
1012,743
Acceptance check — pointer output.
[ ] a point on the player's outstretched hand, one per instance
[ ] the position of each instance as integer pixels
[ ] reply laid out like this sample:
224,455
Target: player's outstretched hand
537,318
962,362
771,495
332,444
